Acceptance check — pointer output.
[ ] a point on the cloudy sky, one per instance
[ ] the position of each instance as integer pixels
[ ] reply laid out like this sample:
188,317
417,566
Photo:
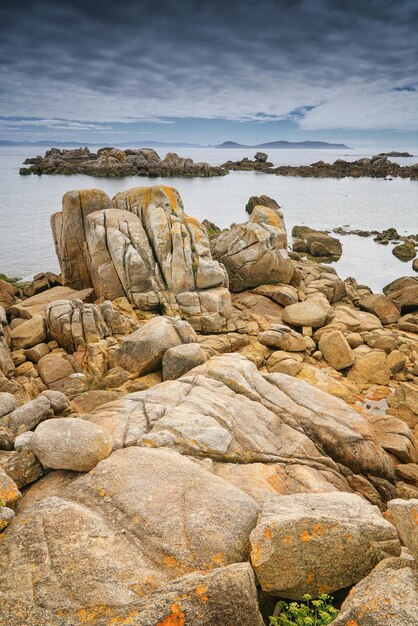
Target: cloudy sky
209,71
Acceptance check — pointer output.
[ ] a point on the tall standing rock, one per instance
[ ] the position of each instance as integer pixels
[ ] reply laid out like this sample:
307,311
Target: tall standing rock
68,229
142,245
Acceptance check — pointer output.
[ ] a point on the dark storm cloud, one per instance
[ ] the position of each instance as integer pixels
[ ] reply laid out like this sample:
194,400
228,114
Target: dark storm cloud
239,60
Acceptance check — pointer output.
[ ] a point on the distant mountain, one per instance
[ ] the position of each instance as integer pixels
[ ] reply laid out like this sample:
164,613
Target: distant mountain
314,145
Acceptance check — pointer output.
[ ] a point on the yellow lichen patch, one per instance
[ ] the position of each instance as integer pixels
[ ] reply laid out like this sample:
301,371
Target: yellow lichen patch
102,492
352,622
324,589
310,578
415,516
348,536
288,539
176,617
171,561
90,615
201,592
255,554
219,558
128,619
146,586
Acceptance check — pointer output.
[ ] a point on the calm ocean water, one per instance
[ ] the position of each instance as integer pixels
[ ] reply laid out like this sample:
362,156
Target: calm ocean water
26,203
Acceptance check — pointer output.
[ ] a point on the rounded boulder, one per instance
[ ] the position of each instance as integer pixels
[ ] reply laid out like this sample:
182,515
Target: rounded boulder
71,444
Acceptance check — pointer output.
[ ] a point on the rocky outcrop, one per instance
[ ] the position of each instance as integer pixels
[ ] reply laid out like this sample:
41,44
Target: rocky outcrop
147,249
317,243
112,162
254,253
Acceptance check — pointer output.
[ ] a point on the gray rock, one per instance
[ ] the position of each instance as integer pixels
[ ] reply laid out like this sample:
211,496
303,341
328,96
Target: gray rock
22,441
70,443
306,543
28,416
57,400
142,352
180,359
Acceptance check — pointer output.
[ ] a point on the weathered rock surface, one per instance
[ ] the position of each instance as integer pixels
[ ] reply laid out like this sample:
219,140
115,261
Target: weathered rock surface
388,595
102,566
143,246
69,443
315,242
405,515
28,334
254,253
226,410
142,352
370,368
336,350
316,543
307,313
282,337
380,306
180,359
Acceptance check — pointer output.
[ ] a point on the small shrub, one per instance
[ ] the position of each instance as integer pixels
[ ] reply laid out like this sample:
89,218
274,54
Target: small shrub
319,612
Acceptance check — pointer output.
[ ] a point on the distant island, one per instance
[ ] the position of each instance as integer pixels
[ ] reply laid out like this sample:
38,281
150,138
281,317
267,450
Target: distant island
313,145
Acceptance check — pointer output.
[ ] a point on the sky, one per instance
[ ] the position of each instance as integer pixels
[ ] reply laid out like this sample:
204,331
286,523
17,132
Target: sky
251,71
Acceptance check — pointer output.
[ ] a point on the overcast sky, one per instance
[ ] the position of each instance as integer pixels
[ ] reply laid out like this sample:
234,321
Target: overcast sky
206,71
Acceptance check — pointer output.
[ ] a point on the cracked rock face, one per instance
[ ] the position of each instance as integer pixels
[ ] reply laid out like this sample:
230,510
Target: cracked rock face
225,410
254,253
142,245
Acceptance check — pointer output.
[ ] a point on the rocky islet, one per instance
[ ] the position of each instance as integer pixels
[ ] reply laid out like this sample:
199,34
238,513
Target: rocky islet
193,427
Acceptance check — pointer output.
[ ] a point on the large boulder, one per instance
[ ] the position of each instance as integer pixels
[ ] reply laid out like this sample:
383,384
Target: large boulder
370,368
403,403
316,543
142,352
282,337
388,595
70,443
120,534
381,306
226,410
146,248
254,253
403,292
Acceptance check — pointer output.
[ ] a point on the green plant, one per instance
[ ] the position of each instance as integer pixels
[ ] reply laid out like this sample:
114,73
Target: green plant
319,612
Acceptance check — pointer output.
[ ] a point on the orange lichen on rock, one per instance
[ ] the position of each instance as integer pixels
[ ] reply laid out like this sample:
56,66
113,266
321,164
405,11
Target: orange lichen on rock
201,592
268,534
176,617
171,561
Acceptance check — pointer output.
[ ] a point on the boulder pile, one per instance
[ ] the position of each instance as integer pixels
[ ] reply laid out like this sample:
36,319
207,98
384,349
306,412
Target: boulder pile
193,431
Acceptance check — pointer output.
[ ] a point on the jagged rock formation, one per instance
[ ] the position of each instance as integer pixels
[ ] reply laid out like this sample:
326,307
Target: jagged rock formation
255,253
145,248
113,163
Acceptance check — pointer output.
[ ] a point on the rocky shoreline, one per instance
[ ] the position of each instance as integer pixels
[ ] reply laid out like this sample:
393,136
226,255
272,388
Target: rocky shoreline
378,166
195,424
113,162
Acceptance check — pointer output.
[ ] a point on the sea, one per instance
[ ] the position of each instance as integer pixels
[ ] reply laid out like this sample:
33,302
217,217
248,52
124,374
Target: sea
26,203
